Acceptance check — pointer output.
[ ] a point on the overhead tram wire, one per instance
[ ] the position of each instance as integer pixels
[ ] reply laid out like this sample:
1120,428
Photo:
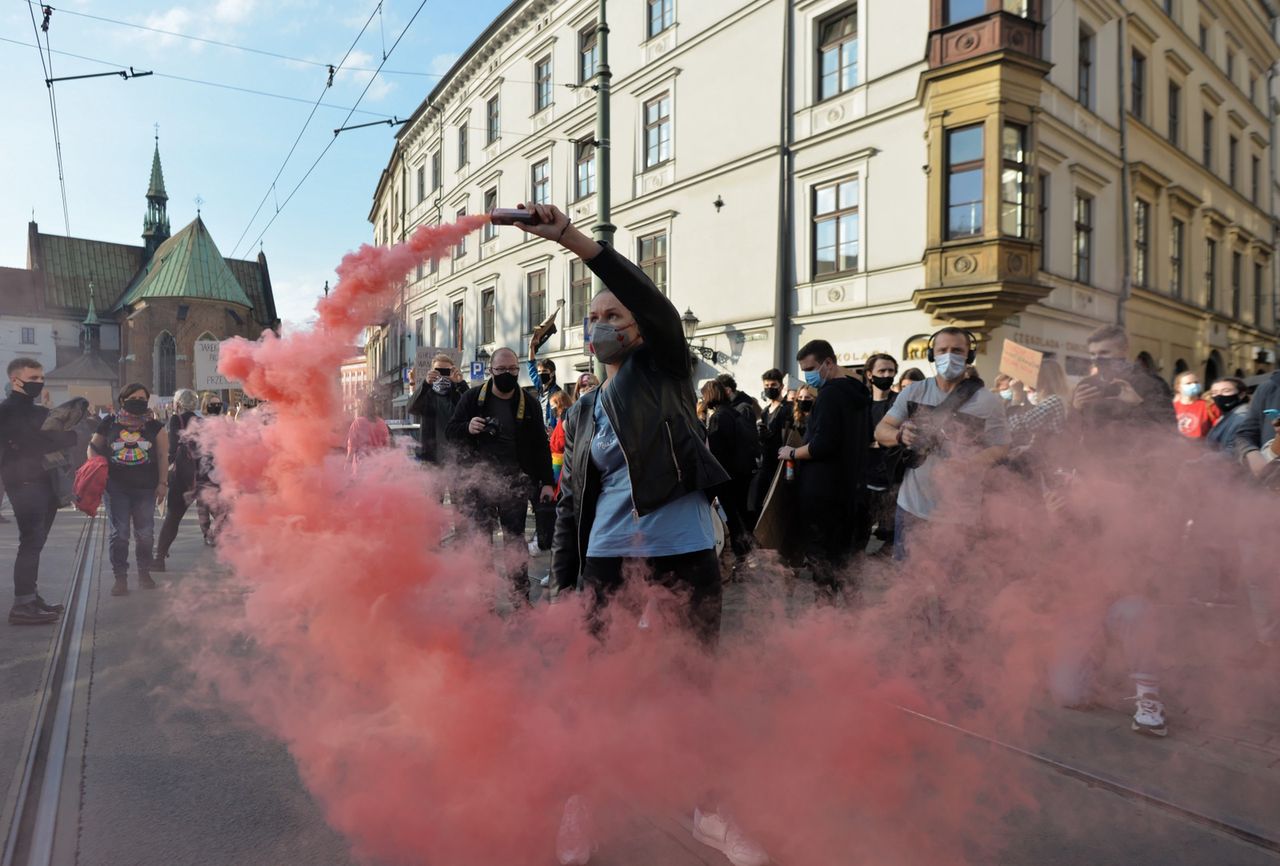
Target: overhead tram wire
47,69
202,82
328,84
367,85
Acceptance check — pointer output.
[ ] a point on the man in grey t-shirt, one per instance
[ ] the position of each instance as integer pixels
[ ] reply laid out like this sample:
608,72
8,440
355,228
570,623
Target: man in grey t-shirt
957,447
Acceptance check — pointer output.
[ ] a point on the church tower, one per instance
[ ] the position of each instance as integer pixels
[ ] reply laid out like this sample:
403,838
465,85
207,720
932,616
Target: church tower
155,228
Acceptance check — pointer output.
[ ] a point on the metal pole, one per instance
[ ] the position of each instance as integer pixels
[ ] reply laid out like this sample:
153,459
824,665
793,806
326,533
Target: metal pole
604,227
1125,207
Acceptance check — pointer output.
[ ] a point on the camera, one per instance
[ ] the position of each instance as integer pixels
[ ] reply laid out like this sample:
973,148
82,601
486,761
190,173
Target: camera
491,426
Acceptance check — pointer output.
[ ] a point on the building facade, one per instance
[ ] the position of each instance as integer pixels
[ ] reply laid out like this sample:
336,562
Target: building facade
100,314
864,172
353,376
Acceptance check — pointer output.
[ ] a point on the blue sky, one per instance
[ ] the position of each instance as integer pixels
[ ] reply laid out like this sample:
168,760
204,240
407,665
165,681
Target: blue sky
220,144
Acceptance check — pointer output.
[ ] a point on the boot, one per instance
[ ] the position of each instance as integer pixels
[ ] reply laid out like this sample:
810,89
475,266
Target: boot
157,564
145,581
121,586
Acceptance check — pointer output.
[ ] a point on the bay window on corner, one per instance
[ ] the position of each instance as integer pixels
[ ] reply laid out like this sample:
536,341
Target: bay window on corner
964,182
1013,181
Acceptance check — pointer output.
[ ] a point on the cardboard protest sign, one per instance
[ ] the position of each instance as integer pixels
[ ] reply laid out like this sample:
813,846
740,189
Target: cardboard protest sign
207,377
422,360
1021,363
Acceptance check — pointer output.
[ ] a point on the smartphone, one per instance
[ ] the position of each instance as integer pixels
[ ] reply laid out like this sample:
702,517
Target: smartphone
509,216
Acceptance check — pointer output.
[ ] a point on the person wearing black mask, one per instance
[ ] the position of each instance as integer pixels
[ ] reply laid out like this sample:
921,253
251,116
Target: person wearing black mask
501,425
183,462
1233,406
882,465
433,404
774,427
802,408
23,445
543,376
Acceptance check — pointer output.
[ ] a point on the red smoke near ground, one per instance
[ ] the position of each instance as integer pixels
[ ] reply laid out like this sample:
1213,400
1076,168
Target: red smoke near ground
435,730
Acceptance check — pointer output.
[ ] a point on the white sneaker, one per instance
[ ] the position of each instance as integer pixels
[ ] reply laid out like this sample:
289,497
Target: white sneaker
1149,716
534,550
574,845
727,838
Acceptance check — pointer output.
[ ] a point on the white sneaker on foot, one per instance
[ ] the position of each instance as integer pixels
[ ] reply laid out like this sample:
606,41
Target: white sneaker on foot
1149,716
574,845
727,837
534,550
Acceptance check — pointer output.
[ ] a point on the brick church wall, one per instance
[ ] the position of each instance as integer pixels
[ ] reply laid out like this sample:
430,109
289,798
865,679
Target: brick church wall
144,327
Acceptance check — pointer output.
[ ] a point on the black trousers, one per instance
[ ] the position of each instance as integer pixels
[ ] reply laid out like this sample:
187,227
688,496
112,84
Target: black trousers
487,513
829,532
697,574
175,509
34,508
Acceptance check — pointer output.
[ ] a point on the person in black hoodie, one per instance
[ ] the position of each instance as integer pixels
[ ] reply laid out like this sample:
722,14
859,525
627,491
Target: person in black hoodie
433,404
882,463
830,466
774,429
733,442
23,445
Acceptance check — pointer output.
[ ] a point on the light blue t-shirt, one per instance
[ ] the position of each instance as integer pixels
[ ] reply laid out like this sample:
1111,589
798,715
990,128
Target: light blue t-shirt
681,526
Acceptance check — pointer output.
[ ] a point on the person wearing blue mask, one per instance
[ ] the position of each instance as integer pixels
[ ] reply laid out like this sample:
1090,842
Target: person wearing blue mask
954,430
831,465
1195,414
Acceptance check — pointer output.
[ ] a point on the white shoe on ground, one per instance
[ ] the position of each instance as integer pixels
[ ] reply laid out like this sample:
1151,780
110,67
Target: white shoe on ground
534,550
574,845
727,837
1149,716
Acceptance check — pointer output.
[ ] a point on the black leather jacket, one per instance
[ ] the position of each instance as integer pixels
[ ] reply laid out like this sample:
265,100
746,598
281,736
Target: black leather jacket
650,403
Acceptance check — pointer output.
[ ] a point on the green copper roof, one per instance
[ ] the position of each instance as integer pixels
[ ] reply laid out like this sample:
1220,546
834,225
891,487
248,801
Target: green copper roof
156,188
188,265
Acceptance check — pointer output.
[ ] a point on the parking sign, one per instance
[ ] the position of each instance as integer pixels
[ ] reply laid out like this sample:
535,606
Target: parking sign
477,371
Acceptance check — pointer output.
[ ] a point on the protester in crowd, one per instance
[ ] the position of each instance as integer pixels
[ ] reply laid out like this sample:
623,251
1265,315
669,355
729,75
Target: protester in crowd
499,424
882,463
953,428
23,445
652,507
433,404
1195,414
738,401
136,453
209,507
830,466
562,402
183,463
543,376
803,407
735,444
1231,398
775,424
586,382
1121,400
909,375
1257,446
1045,413
368,433
1003,388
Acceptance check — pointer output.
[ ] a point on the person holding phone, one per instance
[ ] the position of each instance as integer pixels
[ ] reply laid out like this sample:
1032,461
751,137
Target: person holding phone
433,404
1121,397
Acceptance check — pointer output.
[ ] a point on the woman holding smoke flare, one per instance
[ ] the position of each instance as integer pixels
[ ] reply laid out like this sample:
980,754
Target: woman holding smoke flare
636,480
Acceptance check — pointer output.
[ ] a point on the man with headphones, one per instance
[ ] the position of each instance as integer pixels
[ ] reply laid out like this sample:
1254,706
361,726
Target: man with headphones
955,431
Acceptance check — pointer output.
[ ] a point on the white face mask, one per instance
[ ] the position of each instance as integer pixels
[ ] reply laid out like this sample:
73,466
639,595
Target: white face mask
949,366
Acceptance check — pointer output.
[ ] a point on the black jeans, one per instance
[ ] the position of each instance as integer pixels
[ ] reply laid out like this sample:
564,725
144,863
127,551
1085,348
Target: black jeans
695,573
509,511
175,509
34,508
829,532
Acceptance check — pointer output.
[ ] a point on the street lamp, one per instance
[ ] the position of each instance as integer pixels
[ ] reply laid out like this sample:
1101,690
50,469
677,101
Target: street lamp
689,322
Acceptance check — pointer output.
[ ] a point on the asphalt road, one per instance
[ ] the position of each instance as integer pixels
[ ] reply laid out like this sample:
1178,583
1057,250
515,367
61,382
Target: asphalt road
158,781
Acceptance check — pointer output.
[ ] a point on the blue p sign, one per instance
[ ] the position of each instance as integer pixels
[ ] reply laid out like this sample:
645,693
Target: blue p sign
477,370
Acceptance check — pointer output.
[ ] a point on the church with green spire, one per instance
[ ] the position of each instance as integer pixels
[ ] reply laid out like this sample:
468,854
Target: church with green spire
100,314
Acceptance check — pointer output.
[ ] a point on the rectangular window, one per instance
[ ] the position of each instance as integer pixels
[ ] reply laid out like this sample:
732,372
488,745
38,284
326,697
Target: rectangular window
1231,66
490,202
1084,69
662,14
492,120
433,328
1255,169
1083,248
651,255
422,183
838,54
420,270
1177,246
1175,113
1253,88
1138,85
1236,263
835,227
1168,7
963,10
584,181
964,182
460,249
540,182
1204,38
1141,242
437,170
1013,181
462,145
588,53
579,291
542,84
536,291
657,131
28,336
1043,206
459,325
1233,153
486,316
1257,294
1211,273
419,333
1206,133
433,265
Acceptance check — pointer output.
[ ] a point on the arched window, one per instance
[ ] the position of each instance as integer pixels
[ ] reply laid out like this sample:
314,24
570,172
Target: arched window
166,364
1212,368
1179,367
1147,362
917,348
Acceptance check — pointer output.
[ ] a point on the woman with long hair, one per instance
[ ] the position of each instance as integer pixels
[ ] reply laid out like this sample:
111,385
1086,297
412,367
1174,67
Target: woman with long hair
137,462
728,435
561,401
803,405
1046,413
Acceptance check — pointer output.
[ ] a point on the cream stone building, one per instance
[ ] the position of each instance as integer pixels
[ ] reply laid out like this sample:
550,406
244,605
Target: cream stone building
864,172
